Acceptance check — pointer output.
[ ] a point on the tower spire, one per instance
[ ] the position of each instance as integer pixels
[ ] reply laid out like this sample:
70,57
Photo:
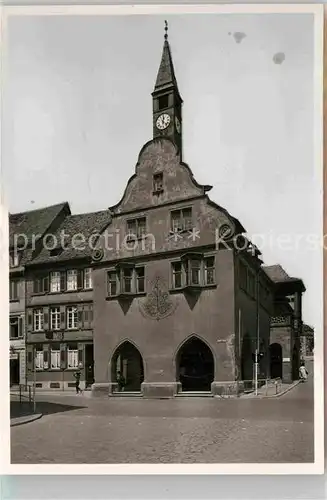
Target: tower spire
167,102
166,73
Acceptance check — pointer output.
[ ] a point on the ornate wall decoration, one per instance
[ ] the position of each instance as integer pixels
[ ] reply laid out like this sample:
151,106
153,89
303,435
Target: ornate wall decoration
158,303
97,254
225,231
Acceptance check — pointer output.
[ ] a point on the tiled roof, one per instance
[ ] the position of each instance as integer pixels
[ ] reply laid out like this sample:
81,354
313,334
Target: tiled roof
79,227
33,222
307,329
277,274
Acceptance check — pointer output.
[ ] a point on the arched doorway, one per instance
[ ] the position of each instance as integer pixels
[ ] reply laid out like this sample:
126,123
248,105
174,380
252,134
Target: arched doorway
128,361
247,361
276,360
195,365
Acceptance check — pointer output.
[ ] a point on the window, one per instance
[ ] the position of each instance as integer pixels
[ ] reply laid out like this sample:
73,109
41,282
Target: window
72,279
41,284
55,357
15,327
88,278
158,182
193,271
181,220
126,279
38,320
140,285
14,259
163,102
39,358
72,356
136,228
71,317
209,271
13,290
112,283
55,280
127,276
177,274
55,318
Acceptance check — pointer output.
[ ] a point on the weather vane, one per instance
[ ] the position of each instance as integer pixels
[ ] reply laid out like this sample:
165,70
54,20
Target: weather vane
166,30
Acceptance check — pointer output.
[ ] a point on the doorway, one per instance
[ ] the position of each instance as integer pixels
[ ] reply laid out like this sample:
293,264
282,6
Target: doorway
195,366
14,372
128,361
89,365
276,360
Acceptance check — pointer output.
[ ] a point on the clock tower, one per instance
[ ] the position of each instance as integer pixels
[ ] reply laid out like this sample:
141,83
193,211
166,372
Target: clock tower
167,102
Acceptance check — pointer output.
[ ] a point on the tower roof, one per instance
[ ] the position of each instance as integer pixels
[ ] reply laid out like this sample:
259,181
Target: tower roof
166,78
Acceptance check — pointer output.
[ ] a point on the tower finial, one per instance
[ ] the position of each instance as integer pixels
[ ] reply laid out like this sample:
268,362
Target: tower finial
166,30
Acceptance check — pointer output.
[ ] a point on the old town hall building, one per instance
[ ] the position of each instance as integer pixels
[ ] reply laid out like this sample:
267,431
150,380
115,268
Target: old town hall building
171,295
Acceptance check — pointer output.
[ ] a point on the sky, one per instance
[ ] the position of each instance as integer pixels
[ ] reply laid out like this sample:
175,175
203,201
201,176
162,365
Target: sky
77,109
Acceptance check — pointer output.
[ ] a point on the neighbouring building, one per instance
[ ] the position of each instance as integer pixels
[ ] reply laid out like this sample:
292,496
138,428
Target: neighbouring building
286,324
59,304
181,301
26,230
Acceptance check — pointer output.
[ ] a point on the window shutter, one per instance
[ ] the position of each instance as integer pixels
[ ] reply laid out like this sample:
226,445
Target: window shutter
46,318
62,318
29,320
45,357
79,278
36,286
30,365
21,327
63,281
81,354
46,284
80,317
63,357
91,315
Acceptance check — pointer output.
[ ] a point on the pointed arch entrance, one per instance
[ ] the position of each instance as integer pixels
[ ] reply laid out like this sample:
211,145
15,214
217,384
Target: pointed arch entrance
128,361
276,360
195,366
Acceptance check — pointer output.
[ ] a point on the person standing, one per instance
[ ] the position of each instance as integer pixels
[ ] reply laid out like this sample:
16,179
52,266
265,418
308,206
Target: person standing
121,381
303,372
77,376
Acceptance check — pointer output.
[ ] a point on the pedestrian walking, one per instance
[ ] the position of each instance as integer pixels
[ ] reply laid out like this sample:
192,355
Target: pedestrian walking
77,376
303,372
121,381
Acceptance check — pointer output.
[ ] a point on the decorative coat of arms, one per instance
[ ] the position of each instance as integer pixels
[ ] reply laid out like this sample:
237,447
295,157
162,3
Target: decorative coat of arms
158,303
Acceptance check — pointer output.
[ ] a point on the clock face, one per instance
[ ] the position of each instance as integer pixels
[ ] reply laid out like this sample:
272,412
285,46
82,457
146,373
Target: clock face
178,124
163,121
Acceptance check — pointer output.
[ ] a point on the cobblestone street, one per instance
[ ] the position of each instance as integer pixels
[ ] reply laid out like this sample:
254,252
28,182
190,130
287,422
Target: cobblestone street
77,429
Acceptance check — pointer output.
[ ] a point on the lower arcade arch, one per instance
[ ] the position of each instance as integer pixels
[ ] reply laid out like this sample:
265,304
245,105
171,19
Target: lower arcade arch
195,366
127,366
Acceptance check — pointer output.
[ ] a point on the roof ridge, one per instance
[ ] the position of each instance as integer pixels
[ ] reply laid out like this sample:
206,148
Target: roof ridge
62,204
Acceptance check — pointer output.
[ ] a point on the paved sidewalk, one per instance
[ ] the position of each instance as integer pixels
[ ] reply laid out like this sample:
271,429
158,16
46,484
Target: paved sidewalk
24,419
271,391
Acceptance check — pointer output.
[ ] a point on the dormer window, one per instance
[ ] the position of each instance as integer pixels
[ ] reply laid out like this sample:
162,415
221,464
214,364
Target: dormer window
181,220
158,183
163,102
14,259
136,228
